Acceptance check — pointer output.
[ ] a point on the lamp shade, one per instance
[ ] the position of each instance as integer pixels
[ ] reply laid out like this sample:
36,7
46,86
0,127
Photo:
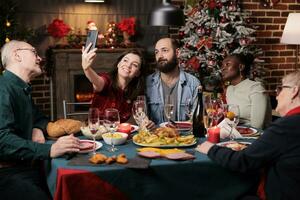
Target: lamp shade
166,15
291,32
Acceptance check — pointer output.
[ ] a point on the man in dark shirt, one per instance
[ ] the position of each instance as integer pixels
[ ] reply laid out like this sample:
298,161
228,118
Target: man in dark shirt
277,150
22,126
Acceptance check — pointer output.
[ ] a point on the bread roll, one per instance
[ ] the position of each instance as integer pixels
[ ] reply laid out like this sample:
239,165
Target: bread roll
63,126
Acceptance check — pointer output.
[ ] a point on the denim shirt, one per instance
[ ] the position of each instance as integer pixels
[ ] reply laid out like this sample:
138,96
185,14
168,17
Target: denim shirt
187,89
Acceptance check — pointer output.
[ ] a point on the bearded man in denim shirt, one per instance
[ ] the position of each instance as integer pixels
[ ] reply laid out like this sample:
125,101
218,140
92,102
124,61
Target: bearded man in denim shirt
169,84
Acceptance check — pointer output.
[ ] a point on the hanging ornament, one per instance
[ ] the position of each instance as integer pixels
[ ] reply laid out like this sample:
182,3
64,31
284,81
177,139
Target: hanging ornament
223,20
208,31
211,62
181,34
212,4
244,41
232,6
219,4
8,24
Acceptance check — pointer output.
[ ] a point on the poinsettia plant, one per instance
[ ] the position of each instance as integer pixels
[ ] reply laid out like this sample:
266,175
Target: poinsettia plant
128,25
58,28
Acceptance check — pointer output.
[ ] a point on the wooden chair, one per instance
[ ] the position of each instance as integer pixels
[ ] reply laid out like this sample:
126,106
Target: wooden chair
69,109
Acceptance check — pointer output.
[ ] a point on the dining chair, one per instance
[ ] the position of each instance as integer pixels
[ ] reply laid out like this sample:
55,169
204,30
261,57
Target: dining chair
70,109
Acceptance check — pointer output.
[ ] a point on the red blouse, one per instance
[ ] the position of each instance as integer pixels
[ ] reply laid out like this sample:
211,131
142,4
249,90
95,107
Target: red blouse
107,99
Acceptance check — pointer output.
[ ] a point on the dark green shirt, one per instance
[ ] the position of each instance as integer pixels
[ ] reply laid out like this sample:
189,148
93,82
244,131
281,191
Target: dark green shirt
18,116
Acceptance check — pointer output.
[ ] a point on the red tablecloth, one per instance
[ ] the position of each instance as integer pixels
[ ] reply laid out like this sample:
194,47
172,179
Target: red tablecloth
80,184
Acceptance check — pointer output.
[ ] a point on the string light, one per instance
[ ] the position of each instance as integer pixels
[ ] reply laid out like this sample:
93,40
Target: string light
7,39
8,23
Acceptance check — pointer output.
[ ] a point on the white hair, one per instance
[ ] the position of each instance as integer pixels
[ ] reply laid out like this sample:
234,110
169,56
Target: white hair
7,50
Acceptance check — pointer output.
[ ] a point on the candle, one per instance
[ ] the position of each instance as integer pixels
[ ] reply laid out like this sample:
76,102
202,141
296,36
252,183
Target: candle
213,134
124,128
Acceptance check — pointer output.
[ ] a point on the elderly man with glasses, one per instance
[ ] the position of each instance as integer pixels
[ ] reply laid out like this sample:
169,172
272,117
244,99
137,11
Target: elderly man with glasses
22,126
277,150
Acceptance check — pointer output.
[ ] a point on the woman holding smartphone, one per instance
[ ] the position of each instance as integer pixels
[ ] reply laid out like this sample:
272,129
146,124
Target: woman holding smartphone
118,88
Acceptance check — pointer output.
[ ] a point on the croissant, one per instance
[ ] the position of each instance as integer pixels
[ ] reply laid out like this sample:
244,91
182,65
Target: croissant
63,126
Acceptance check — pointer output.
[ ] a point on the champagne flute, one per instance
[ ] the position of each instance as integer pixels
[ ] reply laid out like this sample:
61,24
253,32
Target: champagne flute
189,109
169,108
139,113
111,122
93,123
233,114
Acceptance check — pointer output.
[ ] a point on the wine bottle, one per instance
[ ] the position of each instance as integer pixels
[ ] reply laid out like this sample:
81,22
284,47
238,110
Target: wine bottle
198,125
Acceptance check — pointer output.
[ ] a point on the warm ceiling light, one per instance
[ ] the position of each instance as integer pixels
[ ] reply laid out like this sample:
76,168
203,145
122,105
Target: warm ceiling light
167,15
291,33
94,1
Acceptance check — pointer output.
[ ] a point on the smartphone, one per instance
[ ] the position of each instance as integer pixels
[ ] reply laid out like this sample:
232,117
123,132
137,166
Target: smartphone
92,37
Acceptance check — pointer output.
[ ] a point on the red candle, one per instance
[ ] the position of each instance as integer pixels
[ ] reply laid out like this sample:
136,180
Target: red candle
214,134
124,128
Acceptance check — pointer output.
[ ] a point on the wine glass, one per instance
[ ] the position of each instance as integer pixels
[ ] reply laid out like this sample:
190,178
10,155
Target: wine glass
142,98
139,113
214,109
188,109
93,124
233,114
111,122
169,108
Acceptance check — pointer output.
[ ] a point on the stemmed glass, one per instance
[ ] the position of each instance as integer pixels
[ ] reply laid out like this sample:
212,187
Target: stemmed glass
189,109
111,122
214,109
139,112
232,112
169,108
93,123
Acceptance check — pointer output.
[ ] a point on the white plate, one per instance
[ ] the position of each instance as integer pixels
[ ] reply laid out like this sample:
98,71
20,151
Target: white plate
98,146
224,144
254,131
164,124
134,128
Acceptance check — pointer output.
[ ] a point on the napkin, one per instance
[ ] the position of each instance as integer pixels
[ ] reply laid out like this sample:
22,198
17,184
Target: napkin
226,128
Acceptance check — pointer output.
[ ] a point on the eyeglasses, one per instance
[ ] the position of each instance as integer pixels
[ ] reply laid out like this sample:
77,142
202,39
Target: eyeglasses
280,87
28,49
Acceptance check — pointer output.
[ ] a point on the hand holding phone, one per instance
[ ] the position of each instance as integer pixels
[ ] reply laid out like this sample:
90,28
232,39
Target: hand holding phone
92,37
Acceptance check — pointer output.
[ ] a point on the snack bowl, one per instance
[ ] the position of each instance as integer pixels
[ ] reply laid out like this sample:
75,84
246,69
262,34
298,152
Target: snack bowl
87,133
117,138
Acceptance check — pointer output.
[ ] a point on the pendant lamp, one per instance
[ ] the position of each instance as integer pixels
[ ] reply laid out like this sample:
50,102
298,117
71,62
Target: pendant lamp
166,15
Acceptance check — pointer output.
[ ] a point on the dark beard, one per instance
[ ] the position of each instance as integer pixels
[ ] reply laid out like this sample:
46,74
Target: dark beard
168,66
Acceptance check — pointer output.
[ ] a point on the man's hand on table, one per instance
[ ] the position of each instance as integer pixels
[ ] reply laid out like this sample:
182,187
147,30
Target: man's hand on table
204,147
150,125
38,136
65,144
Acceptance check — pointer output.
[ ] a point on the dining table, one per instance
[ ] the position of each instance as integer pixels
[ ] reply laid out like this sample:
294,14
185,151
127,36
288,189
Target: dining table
144,178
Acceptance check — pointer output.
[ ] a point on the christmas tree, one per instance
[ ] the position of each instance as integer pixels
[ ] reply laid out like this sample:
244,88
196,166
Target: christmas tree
213,30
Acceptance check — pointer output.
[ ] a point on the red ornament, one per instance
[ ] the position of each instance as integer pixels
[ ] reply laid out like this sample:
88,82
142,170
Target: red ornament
208,31
223,20
212,4
219,5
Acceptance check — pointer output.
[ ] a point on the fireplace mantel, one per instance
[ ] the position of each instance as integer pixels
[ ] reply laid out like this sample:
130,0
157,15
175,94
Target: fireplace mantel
67,64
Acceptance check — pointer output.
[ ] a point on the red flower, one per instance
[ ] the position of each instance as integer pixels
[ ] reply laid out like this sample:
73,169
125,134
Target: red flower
58,28
128,25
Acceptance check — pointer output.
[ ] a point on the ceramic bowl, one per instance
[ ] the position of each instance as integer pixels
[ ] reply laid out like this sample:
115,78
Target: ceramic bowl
117,138
87,133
